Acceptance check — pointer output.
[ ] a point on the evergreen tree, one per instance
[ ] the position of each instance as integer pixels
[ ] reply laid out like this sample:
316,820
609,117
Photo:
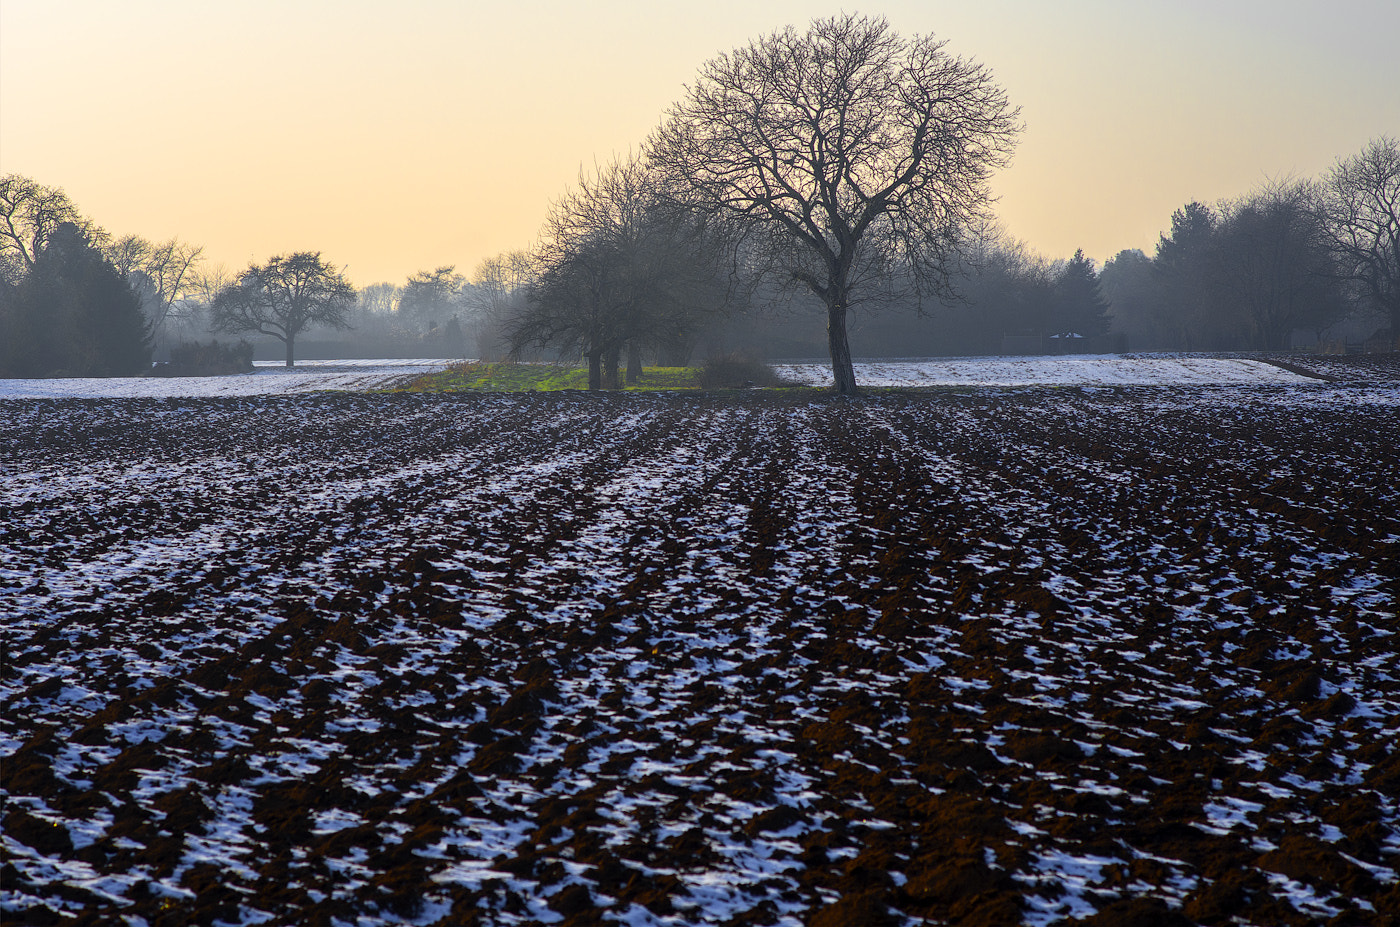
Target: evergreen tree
1079,304
73,314
1127,282
1185,269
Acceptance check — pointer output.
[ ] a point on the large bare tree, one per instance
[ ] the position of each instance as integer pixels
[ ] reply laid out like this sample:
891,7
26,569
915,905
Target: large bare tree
30,213
1358,201
282,298
854,159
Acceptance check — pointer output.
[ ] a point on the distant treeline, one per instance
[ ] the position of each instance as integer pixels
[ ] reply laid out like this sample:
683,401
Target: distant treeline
1290,263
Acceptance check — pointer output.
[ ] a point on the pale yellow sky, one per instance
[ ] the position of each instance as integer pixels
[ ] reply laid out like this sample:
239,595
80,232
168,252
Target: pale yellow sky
395,137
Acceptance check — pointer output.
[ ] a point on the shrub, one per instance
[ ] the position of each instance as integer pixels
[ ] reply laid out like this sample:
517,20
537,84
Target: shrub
738,371
215,359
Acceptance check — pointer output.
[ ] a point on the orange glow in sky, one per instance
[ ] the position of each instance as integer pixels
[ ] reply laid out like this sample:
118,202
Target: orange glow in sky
399,137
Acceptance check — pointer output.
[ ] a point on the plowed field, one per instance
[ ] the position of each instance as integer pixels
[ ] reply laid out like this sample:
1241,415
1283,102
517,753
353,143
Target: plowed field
1121,656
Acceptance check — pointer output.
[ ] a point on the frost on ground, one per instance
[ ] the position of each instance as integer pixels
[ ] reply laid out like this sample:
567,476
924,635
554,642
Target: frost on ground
1099,370
267,379
270,379
1034,656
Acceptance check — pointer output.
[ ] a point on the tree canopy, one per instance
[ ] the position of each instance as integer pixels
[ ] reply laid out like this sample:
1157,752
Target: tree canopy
30,213
854,160
284,297
1358,203
618,267
160,273
432,296
1078,304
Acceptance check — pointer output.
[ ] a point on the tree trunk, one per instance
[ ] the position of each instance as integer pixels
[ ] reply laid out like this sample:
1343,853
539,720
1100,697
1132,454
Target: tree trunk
595,369
634,362
610,359
291,359
842,370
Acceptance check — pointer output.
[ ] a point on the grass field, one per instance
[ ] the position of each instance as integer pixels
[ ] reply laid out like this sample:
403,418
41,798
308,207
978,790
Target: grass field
510,378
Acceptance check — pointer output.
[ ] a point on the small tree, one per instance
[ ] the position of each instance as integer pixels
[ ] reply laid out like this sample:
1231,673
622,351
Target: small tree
284,297
852,159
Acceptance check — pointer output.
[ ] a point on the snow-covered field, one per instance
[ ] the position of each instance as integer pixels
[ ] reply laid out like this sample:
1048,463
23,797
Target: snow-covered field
1094,370
993,657
271,378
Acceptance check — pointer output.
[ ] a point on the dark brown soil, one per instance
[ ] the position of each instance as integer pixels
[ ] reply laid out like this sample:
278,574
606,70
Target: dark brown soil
1036,656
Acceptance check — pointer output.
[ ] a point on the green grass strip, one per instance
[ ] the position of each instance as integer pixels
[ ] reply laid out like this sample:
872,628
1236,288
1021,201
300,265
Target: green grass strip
525,378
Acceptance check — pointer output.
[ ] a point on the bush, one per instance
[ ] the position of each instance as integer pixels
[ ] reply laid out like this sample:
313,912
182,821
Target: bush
215,359
738,371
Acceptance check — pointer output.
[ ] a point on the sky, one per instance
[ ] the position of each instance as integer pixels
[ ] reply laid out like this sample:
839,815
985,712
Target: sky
398,137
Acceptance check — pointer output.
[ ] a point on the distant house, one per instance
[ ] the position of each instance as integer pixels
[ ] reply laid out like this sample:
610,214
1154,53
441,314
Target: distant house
1068,343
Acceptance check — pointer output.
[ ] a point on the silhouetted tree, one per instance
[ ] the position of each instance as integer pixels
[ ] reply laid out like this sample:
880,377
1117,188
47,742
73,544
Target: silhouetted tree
284,297
850,157
160,273
1127,282
616,267
29,214
378,299
495,294
1007,289
431,297
1358,205
1078,303
72,314
1273,271
1185,272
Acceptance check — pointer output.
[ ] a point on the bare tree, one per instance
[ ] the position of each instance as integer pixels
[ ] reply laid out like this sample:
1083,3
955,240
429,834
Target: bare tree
854,156
204,284
1273,270
379,299
617,268
1358,203
30,213
160,274
283,297
495,293
431,296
